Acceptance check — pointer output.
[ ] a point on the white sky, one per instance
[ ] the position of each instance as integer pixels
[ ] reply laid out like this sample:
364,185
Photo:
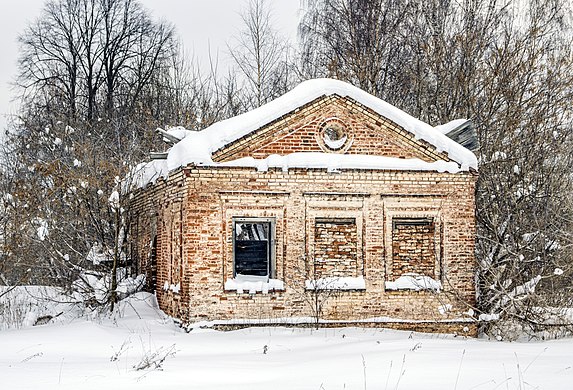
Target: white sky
201,24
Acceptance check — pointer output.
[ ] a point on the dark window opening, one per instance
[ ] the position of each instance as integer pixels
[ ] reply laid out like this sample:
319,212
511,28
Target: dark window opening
252,244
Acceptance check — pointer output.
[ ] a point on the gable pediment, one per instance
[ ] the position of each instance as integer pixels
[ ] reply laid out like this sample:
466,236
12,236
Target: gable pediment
331,124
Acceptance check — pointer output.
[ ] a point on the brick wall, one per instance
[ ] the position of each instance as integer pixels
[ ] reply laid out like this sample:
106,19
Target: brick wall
367,132
213,196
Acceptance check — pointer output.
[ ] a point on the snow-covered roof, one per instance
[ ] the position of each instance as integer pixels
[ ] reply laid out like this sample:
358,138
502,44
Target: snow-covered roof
198,147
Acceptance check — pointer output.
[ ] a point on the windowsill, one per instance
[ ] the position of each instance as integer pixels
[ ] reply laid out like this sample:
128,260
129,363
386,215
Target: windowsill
253,284
336,283
414,282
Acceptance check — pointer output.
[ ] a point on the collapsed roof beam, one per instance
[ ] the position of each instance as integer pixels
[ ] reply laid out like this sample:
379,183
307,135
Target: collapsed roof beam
158,155
465,135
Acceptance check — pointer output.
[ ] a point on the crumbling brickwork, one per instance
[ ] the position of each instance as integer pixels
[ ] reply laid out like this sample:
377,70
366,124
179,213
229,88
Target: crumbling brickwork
339,221
413,247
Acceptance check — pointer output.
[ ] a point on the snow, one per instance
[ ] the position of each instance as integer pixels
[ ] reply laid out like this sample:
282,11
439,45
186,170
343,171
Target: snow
335,162
519,292
178,132
334,144
42,231
489,317
114,200
98,254
95,286
413,281
305,321
253,284
175,288
445,309
336,283
145,173
172,287
101,352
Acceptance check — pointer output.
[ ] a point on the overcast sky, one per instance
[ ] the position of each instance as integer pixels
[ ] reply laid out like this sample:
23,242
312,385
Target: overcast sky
201,24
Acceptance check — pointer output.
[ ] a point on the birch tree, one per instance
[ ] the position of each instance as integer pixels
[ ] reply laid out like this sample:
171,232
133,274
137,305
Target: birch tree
261,56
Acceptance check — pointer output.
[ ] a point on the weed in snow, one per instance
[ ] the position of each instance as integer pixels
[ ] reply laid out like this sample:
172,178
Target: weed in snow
154,359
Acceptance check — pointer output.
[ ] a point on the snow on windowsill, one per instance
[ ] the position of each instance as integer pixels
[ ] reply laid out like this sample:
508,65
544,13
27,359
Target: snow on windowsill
416,282
336,283
253,284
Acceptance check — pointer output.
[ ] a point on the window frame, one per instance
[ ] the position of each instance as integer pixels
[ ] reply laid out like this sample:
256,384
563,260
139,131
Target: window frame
414,207
271,252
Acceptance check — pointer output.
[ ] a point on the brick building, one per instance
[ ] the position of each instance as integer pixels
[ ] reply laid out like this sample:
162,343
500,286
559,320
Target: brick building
325,195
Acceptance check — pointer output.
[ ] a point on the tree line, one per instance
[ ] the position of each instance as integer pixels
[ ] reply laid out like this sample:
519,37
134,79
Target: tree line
95,77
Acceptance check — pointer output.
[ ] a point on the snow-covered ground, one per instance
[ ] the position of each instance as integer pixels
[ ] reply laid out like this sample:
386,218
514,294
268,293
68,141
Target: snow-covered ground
101,353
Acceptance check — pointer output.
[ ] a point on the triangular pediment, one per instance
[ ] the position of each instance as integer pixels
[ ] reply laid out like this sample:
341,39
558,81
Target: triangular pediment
331,124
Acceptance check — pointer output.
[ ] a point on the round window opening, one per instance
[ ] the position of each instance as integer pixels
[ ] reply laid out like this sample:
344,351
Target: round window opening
334,135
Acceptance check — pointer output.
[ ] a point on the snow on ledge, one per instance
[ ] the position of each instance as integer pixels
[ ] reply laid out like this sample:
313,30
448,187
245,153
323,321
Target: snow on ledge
253,284
447,127
281,321
336,283
145,173
413,281
176,288
334,144
334,162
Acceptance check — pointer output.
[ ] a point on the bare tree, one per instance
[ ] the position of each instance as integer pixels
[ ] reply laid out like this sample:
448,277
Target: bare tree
357,41
95,77
95,56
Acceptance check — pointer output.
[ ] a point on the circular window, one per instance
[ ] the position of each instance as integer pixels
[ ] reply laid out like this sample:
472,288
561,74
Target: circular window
334,132
333,136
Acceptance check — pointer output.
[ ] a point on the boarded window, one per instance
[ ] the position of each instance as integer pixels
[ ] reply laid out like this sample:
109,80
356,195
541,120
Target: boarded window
335,247
413,246
252,242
